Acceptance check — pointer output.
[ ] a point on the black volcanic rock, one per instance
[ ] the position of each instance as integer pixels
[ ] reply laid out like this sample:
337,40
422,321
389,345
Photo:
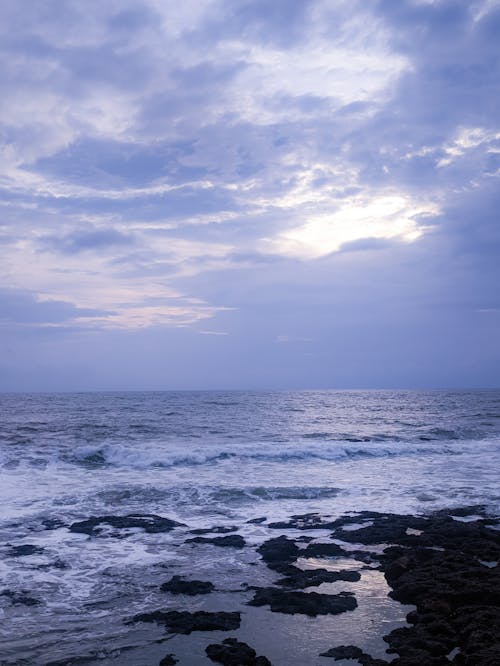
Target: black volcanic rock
323,550
150,523
315,521
306,603
353,652
168,660
386,528
279,553
314,577
233,653
304,521
230,541
176,585
343,652
183,622
220,529
457,598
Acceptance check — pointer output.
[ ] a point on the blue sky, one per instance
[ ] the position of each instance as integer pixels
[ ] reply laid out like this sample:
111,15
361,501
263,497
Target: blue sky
249,194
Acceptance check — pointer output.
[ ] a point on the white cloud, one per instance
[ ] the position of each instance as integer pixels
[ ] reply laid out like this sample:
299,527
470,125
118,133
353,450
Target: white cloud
383,217
466,139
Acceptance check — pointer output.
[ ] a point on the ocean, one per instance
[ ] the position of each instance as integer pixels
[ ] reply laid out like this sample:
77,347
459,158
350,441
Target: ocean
211,460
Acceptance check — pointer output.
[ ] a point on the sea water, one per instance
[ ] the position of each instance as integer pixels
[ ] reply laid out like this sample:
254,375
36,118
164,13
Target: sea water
212,459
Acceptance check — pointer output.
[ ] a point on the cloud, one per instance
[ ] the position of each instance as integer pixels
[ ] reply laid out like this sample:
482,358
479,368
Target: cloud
24,308
80,241
253,168
383,217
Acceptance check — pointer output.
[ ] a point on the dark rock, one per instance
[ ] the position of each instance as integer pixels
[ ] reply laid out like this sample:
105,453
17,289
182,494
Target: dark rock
305,521
313,577
450,576
148,522
176,585
182,622
323,550
168,660
386,528
314,521
279,553
343,652
306,603
257,521
233,653
463,511
353,652
25,549
220,529
20,598
457,599
232,541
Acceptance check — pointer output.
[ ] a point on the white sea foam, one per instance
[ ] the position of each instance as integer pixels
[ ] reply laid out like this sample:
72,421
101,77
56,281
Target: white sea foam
167,455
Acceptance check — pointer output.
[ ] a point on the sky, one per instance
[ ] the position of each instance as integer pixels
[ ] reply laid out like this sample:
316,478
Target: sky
244,194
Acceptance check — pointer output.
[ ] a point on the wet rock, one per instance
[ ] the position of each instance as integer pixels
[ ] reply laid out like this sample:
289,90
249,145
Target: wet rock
313,577
452,577
304,521
385,528
353,652
176,585
232,541
323,550
183,622
233,653
463,511
168,660
315,521
220,529
24,550
279,553
306,603
457,599
150,523
343,652
20,598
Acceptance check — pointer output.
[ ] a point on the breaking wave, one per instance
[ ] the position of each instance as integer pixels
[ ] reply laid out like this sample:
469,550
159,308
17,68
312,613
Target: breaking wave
169,456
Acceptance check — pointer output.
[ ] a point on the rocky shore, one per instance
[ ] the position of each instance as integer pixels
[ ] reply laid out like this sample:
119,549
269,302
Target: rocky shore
445,565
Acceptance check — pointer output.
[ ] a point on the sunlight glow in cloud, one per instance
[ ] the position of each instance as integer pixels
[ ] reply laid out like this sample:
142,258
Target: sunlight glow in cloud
386,217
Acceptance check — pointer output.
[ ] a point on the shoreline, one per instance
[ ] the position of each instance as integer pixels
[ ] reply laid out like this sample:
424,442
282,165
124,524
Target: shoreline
314,573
